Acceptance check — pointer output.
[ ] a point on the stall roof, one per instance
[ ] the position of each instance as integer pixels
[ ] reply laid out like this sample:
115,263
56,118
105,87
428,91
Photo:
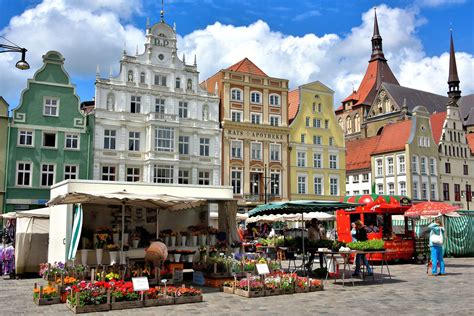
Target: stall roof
299,207
41,212
291,218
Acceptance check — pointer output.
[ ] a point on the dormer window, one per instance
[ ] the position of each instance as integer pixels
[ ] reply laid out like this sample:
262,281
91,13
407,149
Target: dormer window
256,97
236,94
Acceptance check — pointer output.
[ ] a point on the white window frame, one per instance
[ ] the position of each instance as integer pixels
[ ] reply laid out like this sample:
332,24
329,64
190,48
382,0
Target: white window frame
414,164
275,176
423,165
321,184
255,97
204,147
134,177
402,188
237,190
238,93
30,172
160,105
317,140
424,191
275,118
48,175
55,140
379,167
303,138
72,135
27,134
255,115
415,190
355,178
390,169
183,109
302,186
331,141
235,114
163,179
170,139
184,176
238,145
272,151
301,159
315,161
183,144
133,141
50,106
108,174
333,163
70,173
434,191
401,164
391,188
112,139
432,166
204,176
252,156
274,97
331,178
137,101
365,177
316,123
379,188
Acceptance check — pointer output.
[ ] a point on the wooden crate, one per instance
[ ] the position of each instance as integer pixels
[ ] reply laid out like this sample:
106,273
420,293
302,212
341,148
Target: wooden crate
188,299
301,290
47,301
244,293
216,282
316,288
272,292
159,301
88,308
126,305
228,289
287,291
218,275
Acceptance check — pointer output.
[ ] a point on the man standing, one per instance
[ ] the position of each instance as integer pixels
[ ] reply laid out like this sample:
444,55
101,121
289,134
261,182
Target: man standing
361,235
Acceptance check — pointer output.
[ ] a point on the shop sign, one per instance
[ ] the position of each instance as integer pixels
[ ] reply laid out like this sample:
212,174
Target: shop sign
140,284
253,134
262,268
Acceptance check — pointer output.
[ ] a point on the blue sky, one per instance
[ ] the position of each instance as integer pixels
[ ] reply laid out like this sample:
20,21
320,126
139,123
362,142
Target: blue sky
415,36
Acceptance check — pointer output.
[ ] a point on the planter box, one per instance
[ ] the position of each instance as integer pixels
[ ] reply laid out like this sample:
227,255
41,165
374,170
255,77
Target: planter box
301,290
272,292
287,291
244,293
216,282
218,275
47,301
126,305
188,299
228,289
316,288
88,308
159,301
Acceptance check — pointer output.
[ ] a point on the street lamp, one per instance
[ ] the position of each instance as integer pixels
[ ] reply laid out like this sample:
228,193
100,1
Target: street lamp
467,193
21,64
266,180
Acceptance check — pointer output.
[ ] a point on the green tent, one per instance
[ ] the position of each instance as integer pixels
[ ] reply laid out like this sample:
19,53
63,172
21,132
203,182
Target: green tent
460,234
299,207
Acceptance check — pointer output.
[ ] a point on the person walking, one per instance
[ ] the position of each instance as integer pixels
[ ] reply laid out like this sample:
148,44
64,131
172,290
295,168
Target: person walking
361,235
436,246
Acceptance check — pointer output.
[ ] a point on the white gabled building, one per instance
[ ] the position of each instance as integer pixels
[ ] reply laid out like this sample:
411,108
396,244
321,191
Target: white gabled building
153,122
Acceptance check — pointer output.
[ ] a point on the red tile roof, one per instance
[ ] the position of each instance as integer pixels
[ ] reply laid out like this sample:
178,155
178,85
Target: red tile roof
358,152
293,103
247,66
437,122
470,141
394,137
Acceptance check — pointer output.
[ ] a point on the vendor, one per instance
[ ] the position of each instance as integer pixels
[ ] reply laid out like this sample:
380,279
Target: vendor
156,255
361,235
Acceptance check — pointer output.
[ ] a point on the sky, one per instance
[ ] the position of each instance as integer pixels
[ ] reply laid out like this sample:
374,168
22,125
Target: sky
299,40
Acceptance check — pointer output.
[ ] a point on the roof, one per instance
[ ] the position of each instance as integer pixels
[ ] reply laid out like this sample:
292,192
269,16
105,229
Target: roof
394,137
466,107
247,66
358,152
293,104
470,141
437,123
432,102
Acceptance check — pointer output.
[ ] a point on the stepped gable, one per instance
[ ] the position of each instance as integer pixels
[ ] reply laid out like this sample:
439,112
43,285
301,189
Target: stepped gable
247,66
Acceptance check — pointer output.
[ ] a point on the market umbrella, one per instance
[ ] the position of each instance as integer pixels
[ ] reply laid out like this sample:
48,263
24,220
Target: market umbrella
76,232
321,216
430,209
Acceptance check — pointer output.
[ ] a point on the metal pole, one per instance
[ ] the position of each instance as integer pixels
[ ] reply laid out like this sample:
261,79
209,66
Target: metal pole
123,224
265,182
302,238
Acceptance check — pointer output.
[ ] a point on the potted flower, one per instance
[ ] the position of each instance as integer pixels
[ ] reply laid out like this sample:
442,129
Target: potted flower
203,237
101,241
177,256
236,245
155,297
250,287
212,235
123,296
184,236
113,252
135,240
272,286
185,295
173,239
194,235
166,233
87,297
45,295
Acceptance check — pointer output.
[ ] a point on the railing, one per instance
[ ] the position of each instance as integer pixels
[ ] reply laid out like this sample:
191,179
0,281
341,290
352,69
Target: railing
259,197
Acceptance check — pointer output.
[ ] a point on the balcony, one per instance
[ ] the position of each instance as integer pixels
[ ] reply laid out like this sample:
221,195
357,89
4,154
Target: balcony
253,198
163,117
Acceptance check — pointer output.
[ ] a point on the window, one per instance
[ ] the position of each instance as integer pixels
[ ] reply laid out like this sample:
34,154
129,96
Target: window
401,164
25,138
326,124
274,99
160,80
183,176
423,165
380,188
108,173
414,162
72,141
391,188
256,149
365,191
236,181
415,189
256,118
70,172
49,140
402,188
314,106
133,174
160,106
318,185
135,104
301,159
356,192
378,164
47,175
365,177
236,149
319,107
465,170
142,77
236,116
389,166
183,109
355,178
163,174
308,119
134,141
447,167
317,160
51,107
347,179
256,97
164,139
275,183
274,120
317,140
301,184
446,191
23,174
275,152
183,145
204,178
457,192
334,186
178,83
236,94
109,138
341,124
433,191
424,191
331,141
468,193
357,123
332,161
303,137
316,123
204,147
432,166
349,125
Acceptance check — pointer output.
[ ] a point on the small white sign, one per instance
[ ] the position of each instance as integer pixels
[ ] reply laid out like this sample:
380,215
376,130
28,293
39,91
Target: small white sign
140,284
262,268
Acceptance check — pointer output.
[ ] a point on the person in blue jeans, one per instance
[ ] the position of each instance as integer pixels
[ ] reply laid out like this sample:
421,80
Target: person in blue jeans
361,235
436,246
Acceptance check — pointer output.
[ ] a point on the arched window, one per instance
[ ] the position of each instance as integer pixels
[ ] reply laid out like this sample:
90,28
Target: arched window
205,112
357,123
349,125
111,102
387,106
178,83
236,94
341,124
255,97
274,99
130,76
142,77
380,108
189,85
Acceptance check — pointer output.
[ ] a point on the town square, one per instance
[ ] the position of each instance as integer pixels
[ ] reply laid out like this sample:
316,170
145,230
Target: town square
236,157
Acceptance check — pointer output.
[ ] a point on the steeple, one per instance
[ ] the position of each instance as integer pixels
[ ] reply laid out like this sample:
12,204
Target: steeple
377,52
453,79
162,12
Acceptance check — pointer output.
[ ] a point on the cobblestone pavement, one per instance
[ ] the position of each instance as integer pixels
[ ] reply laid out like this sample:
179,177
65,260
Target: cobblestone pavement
410,291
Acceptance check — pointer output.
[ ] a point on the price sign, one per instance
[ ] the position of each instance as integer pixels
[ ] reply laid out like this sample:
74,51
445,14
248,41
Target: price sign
140,284
262,268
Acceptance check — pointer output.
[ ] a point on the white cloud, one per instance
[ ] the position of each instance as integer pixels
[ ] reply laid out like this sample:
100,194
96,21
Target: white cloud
437,3
306,15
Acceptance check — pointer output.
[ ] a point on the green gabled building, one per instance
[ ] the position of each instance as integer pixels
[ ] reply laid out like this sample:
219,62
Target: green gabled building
3,147
49,138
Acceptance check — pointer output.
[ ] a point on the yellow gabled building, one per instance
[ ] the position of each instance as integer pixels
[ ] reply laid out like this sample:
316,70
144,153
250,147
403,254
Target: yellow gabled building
317,150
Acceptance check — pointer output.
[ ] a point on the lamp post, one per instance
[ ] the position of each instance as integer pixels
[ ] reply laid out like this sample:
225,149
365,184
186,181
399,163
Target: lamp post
21,64
267,179
467,193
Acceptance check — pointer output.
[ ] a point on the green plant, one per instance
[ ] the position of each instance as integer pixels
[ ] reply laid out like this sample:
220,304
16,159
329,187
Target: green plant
373,244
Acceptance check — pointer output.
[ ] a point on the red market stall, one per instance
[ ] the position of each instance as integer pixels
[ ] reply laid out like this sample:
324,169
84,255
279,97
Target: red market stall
377,211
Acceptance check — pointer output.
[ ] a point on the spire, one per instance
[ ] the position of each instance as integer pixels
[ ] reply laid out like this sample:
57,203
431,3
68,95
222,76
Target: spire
453,79
97,71
174,26
162,12
377,52
147,22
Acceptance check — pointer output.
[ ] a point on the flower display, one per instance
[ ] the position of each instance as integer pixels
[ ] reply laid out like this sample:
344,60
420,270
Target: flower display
112,247
68,280
254,284
101,240
48,292
123,291
89,293
211,230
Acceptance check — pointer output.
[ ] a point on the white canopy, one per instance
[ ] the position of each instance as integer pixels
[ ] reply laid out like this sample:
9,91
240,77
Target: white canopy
291,218
238,216
41,212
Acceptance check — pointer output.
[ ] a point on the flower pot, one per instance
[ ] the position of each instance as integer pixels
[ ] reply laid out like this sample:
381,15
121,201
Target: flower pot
116,238
170,257
237,250
125,238
123,257
195,240
177,256
203,240
84,242
167,240
98,255
173,241
183,240
135,243
84,253
212,240
190,257
113,257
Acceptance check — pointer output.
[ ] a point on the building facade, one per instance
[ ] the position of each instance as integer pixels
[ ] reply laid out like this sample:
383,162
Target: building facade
254,118
48,137
154,123
317,151
3,148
